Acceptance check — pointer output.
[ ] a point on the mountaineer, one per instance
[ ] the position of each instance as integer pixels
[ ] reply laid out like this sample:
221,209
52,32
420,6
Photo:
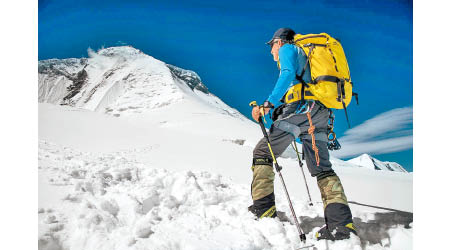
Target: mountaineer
300,111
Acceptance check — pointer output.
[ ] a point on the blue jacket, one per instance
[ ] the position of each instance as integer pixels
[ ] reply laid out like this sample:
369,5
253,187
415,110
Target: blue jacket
292,60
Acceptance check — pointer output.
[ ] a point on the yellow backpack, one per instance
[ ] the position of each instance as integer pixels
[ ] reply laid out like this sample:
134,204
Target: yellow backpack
330,75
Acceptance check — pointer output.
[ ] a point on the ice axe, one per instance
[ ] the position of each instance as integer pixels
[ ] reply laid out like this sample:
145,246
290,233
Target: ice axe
278,168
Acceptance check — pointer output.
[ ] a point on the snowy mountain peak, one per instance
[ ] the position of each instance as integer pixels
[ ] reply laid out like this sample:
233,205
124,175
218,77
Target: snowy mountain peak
125,51
121,80
370,162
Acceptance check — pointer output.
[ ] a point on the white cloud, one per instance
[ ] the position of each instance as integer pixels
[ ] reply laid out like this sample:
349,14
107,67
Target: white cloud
387,122
385,133
351,149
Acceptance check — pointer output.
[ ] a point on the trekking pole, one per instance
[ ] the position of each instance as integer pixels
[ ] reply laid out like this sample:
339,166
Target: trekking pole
303,172
278,168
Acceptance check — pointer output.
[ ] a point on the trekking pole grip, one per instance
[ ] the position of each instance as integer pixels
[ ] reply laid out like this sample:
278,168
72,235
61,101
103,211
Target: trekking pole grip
260,119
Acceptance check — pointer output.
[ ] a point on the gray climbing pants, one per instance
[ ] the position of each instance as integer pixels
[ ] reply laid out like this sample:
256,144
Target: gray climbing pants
280,139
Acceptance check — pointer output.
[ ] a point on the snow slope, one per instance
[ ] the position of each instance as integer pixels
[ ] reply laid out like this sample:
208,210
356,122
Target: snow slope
155,161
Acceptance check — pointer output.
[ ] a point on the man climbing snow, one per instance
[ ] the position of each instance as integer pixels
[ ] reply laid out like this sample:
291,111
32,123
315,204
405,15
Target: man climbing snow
308,115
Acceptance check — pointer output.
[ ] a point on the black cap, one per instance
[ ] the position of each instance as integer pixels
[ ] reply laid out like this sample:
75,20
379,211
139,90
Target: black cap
285,34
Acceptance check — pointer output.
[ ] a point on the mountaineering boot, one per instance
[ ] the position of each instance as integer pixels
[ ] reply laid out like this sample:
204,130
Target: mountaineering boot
338,233
338,217
324,234
262,189
264,207
262,212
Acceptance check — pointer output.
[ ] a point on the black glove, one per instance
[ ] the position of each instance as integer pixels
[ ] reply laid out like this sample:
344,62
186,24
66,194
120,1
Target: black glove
277,112
268,104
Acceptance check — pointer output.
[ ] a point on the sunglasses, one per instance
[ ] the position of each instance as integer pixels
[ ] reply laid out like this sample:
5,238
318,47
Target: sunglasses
274,42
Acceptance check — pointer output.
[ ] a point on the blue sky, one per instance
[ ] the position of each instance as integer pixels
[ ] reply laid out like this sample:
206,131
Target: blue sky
224,42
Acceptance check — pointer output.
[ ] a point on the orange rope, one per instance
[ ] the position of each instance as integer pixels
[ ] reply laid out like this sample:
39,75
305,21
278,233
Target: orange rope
313,138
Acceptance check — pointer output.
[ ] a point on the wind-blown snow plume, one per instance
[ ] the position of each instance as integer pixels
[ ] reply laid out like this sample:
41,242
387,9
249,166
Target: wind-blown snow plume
388,132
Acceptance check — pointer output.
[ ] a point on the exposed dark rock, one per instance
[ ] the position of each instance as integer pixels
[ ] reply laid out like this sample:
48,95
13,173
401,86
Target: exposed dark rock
54,66
189,77
59,67
236,141
78,81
